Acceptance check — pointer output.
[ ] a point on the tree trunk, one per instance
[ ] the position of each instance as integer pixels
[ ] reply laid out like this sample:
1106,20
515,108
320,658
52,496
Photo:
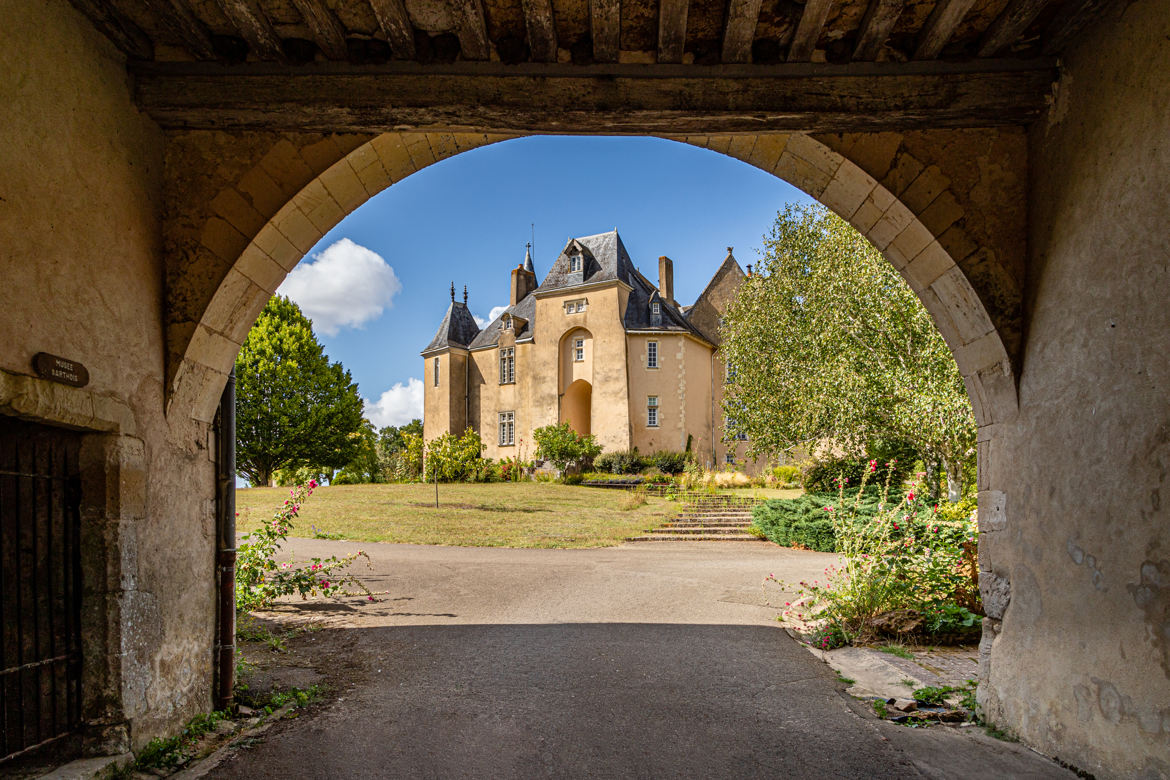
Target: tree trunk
954,480
932,477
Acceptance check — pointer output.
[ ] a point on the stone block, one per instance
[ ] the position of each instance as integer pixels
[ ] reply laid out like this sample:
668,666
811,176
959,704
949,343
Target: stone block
943,212
848,190
287,169
296,227
802,174
261,191
318,205
343,184
894,221
222,239
767,151
238,211
273,243
741,147
719,143
992,511
928,264
255,264
913,239
443,145
983,353
927,186
322,154
814,152
395,158
963,304
419,149
996,590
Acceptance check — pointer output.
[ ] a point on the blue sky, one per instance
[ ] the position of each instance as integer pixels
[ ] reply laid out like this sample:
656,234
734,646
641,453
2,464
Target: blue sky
377,285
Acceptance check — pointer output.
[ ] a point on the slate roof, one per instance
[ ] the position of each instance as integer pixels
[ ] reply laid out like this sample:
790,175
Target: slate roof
605,259
458,329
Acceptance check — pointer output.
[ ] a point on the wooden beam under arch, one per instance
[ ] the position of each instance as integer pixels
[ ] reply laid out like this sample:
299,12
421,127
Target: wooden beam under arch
629,99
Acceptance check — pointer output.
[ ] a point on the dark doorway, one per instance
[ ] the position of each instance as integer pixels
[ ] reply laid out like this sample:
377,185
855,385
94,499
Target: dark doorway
40,586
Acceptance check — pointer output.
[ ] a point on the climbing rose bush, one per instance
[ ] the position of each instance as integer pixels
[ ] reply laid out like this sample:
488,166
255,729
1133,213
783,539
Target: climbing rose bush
905,558
260,579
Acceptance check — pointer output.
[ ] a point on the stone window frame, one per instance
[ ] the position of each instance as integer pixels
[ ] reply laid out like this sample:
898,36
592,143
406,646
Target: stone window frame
579,350
651,354
436,366
507,323
507,365
507,428
576,263
652,417
576,306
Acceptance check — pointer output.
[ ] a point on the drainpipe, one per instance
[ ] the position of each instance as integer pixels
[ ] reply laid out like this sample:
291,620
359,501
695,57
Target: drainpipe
225,546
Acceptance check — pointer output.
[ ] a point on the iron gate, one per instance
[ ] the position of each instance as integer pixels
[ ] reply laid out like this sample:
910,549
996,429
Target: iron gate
40,586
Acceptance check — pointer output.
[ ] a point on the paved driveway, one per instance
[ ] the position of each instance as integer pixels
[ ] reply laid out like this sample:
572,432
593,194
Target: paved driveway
648,661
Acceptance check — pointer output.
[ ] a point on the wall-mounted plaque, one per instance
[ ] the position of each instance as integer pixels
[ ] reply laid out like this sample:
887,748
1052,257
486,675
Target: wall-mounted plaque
59,369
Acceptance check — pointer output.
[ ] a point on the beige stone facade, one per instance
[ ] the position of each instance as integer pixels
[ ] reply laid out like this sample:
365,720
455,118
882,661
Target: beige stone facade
596,345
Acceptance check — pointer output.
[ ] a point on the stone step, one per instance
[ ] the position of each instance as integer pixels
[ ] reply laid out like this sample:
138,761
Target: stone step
727,515
705,524
709,529
712,538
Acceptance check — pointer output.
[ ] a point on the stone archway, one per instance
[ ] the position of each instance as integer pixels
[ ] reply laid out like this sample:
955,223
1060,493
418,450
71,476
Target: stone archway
253,236
577,407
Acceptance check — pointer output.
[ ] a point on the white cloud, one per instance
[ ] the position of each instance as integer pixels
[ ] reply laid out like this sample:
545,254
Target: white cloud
345,286
483,322
398,405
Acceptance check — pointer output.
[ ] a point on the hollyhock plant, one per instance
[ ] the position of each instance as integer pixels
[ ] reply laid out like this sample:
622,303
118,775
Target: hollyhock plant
260,580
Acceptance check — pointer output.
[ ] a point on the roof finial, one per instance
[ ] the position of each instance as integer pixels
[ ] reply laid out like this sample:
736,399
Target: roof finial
452,291
729,249
464,295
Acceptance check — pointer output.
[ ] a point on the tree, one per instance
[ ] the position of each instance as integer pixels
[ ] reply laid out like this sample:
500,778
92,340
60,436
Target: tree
564,446
293,407
829,342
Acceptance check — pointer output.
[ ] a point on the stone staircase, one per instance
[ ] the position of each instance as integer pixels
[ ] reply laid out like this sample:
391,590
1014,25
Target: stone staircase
706,518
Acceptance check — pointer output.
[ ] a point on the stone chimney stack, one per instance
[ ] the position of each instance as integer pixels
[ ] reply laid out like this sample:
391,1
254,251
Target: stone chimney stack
523,282
666,278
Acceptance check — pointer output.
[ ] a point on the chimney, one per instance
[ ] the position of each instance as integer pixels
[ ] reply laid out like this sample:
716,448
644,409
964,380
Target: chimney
666,278
523,282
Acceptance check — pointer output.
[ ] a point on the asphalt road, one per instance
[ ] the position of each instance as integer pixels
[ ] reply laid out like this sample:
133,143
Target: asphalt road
649,661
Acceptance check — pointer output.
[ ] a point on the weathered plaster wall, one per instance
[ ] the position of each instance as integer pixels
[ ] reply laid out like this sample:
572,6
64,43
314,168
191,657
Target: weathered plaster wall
1077,538
81,179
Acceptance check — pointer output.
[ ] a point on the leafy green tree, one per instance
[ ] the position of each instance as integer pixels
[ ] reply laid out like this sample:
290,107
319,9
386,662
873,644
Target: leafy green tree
564,446
293,407
829,342
365,465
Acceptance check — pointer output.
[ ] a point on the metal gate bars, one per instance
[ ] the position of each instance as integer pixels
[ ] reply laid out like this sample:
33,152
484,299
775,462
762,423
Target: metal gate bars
40,586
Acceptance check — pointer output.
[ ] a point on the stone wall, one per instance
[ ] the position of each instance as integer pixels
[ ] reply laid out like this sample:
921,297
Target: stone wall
81,235
1076,545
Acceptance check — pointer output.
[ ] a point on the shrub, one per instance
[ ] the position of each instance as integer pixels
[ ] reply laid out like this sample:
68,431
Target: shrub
620,462
633,499
670,462
564,446
901,557
788,476
804,521
823,475
455,459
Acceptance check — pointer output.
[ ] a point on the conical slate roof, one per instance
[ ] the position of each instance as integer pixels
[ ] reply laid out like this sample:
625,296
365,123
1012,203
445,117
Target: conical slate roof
458,329
528,260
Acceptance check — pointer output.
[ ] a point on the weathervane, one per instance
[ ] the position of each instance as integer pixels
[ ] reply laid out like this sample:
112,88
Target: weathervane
452,291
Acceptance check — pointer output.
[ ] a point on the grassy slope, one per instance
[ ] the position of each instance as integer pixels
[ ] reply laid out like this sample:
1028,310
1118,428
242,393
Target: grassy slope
527,514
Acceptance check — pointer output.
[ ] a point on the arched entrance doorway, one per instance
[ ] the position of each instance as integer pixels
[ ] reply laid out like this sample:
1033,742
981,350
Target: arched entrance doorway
577,407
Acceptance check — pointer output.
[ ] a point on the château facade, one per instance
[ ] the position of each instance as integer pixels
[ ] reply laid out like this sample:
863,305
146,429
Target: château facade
595,344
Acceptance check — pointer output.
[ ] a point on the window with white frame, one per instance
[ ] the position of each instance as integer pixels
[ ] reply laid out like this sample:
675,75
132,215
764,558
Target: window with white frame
651,354
574,263
729,458
575,307
729,424
436,372
656,308
652,411
507,365
507,323
507,428
578,350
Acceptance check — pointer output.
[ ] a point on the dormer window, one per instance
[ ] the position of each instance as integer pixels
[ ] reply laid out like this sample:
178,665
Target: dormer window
574,263
507,323
656,308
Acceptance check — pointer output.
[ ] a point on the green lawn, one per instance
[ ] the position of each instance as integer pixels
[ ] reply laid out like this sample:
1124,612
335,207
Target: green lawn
525,514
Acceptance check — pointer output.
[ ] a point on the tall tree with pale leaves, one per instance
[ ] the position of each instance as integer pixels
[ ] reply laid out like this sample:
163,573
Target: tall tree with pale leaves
293,407
830,343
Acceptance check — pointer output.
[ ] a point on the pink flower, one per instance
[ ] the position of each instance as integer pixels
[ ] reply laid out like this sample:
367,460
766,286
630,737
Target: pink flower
312,484
872,466
371,598
910,496
325,583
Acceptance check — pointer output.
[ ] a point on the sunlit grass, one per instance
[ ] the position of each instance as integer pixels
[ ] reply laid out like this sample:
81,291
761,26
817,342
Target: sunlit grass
526,514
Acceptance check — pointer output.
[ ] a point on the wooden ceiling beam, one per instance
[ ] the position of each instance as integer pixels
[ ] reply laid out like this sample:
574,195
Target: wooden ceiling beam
471,29
324,26
939,27
396,26
879,20
542,33
177,16
1009,26
593,99
1072,17
740,30
119,28
672,30
253,26
808,30
606,20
